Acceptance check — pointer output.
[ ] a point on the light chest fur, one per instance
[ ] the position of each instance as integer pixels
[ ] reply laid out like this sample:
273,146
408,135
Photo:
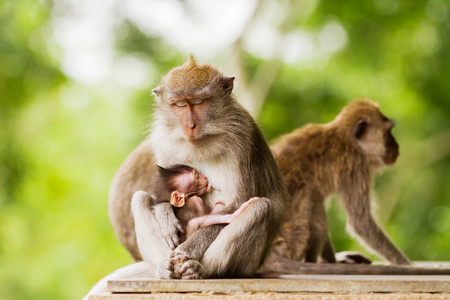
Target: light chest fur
213,163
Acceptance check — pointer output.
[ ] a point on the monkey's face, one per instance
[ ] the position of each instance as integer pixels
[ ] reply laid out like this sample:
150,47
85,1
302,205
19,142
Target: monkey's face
192,183
200,183
192,101
190,112
374,136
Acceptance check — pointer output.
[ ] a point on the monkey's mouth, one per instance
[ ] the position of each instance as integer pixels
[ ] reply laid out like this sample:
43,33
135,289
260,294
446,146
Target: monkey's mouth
200,191
194,139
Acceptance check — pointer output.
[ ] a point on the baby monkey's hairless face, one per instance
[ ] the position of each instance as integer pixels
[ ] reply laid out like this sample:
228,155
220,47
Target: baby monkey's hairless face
192,183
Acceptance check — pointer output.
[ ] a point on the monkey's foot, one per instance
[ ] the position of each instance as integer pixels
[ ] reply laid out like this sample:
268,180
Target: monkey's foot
192,269
178,259
352,257
166,270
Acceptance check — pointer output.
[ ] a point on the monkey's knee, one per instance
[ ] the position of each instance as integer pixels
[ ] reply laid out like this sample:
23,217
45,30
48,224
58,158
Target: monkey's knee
140,200
141,210
259,208
224,258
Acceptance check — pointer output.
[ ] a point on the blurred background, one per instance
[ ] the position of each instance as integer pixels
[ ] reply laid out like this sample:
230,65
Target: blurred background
75,99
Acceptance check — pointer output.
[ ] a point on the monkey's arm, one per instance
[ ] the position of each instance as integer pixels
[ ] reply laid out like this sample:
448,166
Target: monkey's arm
215,218
359,218
203,221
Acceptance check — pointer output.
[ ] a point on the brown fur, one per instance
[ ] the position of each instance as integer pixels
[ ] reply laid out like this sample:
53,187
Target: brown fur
190,75
135,173
338,157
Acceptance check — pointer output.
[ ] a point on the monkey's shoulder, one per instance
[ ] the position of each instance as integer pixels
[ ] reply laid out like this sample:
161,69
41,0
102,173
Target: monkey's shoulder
301,138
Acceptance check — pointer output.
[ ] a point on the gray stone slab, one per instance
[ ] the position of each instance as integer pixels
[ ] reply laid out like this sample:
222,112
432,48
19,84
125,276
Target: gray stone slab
269,296
359,284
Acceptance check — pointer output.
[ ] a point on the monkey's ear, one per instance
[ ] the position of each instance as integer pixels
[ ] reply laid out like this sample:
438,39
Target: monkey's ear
226,83
361,129
157,92
178,199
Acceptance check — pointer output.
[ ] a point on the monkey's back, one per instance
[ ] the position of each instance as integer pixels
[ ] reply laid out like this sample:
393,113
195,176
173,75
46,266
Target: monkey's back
308,156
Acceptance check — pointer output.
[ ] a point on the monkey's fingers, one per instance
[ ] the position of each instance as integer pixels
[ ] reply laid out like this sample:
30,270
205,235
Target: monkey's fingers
173,237
173,240
180,227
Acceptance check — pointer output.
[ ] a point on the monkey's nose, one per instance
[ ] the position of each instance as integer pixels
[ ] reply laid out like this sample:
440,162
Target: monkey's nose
192,125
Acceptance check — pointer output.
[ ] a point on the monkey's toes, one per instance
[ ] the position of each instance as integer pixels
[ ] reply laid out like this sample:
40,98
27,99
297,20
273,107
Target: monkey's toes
166,270
191,269
178,259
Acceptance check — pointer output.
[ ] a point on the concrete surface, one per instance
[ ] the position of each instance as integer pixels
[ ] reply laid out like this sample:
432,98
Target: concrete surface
291,284
348,287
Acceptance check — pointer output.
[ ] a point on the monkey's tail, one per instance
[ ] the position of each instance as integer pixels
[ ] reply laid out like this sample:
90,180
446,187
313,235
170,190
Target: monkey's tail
283,265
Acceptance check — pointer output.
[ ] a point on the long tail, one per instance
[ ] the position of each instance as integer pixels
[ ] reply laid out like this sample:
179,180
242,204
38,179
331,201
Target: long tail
286,266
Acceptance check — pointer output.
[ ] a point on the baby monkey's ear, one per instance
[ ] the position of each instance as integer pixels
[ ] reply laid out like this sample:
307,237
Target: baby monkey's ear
178,199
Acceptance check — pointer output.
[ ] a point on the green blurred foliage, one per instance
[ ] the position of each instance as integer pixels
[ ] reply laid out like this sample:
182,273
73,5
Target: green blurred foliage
61,141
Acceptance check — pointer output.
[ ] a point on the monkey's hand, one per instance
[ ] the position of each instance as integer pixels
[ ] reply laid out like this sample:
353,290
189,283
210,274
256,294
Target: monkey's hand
217,208
352,257
169,224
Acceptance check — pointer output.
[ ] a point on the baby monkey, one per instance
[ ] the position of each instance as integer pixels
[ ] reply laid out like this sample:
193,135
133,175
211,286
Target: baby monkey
184,185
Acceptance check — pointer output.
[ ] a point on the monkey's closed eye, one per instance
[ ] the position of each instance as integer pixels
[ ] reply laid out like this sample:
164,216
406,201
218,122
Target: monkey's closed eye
197,101
180,103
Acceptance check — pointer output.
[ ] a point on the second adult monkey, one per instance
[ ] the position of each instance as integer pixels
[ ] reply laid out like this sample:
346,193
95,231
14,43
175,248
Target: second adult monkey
338,157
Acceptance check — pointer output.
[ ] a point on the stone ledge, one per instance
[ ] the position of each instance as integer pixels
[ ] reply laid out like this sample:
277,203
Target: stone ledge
291,284
267,296
305,286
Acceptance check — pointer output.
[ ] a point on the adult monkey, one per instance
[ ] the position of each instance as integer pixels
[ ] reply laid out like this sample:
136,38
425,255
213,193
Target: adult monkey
198,122
339,157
